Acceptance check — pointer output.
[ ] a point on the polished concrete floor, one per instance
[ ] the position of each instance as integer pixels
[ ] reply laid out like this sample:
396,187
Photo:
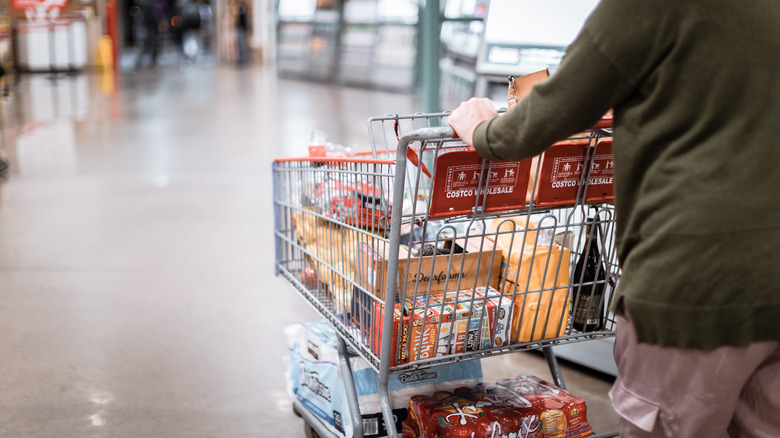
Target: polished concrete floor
137,295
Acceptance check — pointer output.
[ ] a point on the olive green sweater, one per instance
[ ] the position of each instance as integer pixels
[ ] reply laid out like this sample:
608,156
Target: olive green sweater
695,87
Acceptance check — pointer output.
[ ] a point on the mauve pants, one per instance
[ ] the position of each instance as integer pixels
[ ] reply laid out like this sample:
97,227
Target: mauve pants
682,393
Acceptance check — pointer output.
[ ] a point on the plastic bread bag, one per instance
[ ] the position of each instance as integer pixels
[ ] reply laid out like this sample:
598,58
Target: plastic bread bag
535,274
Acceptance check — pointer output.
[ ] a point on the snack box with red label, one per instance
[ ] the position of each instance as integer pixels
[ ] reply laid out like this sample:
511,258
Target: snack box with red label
354,203
486,324
444,324
424,330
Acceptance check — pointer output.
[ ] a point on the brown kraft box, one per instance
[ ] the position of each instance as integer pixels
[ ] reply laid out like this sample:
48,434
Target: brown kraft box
440,273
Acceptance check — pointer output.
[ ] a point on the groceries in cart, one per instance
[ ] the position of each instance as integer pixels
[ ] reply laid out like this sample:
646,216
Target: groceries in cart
479,259
441,265
315,382
525,407
518,266
525,264
320,147
329,267
442,324
535,274
447,401
354,203
591,279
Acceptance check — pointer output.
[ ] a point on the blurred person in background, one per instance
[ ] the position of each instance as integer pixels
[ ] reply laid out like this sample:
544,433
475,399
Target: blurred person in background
153,22
242,31
189,29
206,14
695,89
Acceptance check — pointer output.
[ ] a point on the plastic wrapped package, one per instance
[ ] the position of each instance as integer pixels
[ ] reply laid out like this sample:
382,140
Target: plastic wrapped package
328,243
536,274
525,407
314,379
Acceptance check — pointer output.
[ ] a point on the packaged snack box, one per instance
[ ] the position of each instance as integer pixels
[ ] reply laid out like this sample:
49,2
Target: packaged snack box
446,323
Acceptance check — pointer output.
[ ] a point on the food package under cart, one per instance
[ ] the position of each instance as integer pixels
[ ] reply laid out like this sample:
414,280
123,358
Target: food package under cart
525,407
535,271
314,380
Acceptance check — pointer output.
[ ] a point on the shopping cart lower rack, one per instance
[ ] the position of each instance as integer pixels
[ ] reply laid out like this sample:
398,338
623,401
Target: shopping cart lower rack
421,253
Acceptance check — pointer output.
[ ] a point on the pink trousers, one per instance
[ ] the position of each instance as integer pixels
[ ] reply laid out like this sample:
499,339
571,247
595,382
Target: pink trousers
682,393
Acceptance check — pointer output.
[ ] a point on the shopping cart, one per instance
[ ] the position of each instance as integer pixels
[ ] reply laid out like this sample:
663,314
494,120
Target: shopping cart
420,253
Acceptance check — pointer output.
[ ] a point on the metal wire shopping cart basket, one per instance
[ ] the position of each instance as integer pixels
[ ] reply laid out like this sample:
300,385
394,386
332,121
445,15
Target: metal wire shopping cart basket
420,253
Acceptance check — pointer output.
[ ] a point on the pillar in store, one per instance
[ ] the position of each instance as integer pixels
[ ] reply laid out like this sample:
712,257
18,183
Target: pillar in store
260,34
263,36
112,30
430,45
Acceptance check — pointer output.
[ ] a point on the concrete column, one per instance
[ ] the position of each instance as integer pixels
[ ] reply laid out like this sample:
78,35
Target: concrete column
263,40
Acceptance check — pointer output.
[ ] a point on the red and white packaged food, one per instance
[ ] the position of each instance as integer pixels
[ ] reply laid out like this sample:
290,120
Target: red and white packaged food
525,407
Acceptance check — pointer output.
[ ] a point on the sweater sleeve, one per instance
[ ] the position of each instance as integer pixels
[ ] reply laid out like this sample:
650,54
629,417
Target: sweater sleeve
585,87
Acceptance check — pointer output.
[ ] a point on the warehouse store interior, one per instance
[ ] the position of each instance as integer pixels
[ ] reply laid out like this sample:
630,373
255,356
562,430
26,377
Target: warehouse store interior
138,289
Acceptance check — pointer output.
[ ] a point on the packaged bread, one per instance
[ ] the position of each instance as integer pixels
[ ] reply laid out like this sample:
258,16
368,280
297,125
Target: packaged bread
535,274
334,251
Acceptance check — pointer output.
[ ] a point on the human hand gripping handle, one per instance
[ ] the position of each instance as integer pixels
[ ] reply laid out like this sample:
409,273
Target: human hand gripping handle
468,115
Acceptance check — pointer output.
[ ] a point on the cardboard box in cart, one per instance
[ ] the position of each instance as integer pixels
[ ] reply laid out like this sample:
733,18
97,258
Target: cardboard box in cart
478,266
445,323
563,164
437,273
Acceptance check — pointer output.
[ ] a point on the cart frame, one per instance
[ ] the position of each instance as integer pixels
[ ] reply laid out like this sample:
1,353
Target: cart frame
393,149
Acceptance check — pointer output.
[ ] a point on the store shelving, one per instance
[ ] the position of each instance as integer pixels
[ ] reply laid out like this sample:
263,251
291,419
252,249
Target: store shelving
307,39
369,43
461,36
525,36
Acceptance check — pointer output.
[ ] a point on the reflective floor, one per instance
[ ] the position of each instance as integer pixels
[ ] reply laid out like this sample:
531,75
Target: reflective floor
137,295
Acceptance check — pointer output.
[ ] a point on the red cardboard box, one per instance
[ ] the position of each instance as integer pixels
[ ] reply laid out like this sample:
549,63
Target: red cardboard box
562,167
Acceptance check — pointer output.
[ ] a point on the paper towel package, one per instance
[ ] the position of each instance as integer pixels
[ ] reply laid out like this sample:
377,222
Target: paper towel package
314,380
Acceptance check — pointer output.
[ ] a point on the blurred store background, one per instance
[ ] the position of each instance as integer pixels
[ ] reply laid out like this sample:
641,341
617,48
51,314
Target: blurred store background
444,50
137,287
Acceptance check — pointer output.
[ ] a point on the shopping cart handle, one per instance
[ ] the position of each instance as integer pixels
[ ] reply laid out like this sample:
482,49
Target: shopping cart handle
422,135
428,134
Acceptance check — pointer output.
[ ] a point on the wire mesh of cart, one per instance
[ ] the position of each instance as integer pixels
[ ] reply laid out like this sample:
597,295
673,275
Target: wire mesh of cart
420,253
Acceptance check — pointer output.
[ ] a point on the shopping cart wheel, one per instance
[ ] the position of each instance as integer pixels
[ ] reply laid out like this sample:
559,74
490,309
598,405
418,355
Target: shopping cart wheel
309,432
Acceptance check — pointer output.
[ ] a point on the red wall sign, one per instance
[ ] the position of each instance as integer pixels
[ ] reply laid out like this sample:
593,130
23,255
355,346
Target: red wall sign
47,4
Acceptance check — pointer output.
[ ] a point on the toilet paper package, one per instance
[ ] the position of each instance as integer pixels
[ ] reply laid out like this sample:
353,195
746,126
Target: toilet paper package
314,380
